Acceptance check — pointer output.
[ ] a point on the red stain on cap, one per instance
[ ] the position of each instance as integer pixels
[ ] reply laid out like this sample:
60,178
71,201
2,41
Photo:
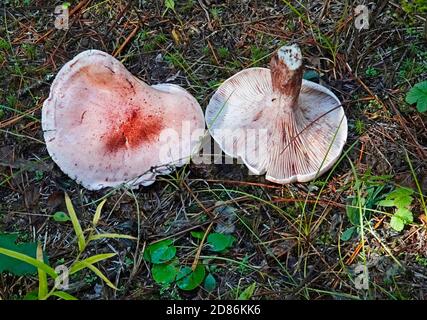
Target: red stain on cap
135,131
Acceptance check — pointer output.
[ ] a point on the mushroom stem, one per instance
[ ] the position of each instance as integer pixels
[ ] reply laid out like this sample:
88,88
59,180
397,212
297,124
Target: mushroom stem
286,72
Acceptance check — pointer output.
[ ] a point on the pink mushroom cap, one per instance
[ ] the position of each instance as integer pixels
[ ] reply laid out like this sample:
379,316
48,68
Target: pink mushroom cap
104,127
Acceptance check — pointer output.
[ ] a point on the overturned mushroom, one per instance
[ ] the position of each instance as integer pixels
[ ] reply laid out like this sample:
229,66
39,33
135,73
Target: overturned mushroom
104,127
276,122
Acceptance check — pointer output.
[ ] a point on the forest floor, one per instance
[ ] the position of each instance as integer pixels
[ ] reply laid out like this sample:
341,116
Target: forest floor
299,241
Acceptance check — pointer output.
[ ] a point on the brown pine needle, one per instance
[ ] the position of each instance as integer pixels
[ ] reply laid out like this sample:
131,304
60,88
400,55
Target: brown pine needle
127,40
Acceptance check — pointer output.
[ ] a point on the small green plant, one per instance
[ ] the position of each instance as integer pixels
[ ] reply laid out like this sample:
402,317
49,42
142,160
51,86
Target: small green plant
169,5
61,216
371,189
215,13
248,292
177,60
331,44
189,279
220,242
411,31
90,279
160,252
257,55
22,2
26,256
359,127
210,283
188,6
373,106
15,266
160,39
141,36
4,44
243,267
148,47
233,65
128,262
162,256
401,199
11,101
414,6
217,242
422,261
418,95
371,72
223,53
412,68
29,50
39,175
206,50
166,268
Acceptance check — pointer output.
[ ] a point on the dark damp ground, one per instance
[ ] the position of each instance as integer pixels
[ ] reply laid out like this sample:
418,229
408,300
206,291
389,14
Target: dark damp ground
289,239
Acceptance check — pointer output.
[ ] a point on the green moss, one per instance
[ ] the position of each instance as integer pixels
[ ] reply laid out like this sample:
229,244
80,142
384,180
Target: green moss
258,55
223,52
4,44
160,38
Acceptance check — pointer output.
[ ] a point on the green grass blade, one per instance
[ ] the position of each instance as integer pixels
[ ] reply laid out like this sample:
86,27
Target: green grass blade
63,295
90,261
248,292
76,224
30,260
100,275
420,191
294,10
98,213
110,236
43,290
